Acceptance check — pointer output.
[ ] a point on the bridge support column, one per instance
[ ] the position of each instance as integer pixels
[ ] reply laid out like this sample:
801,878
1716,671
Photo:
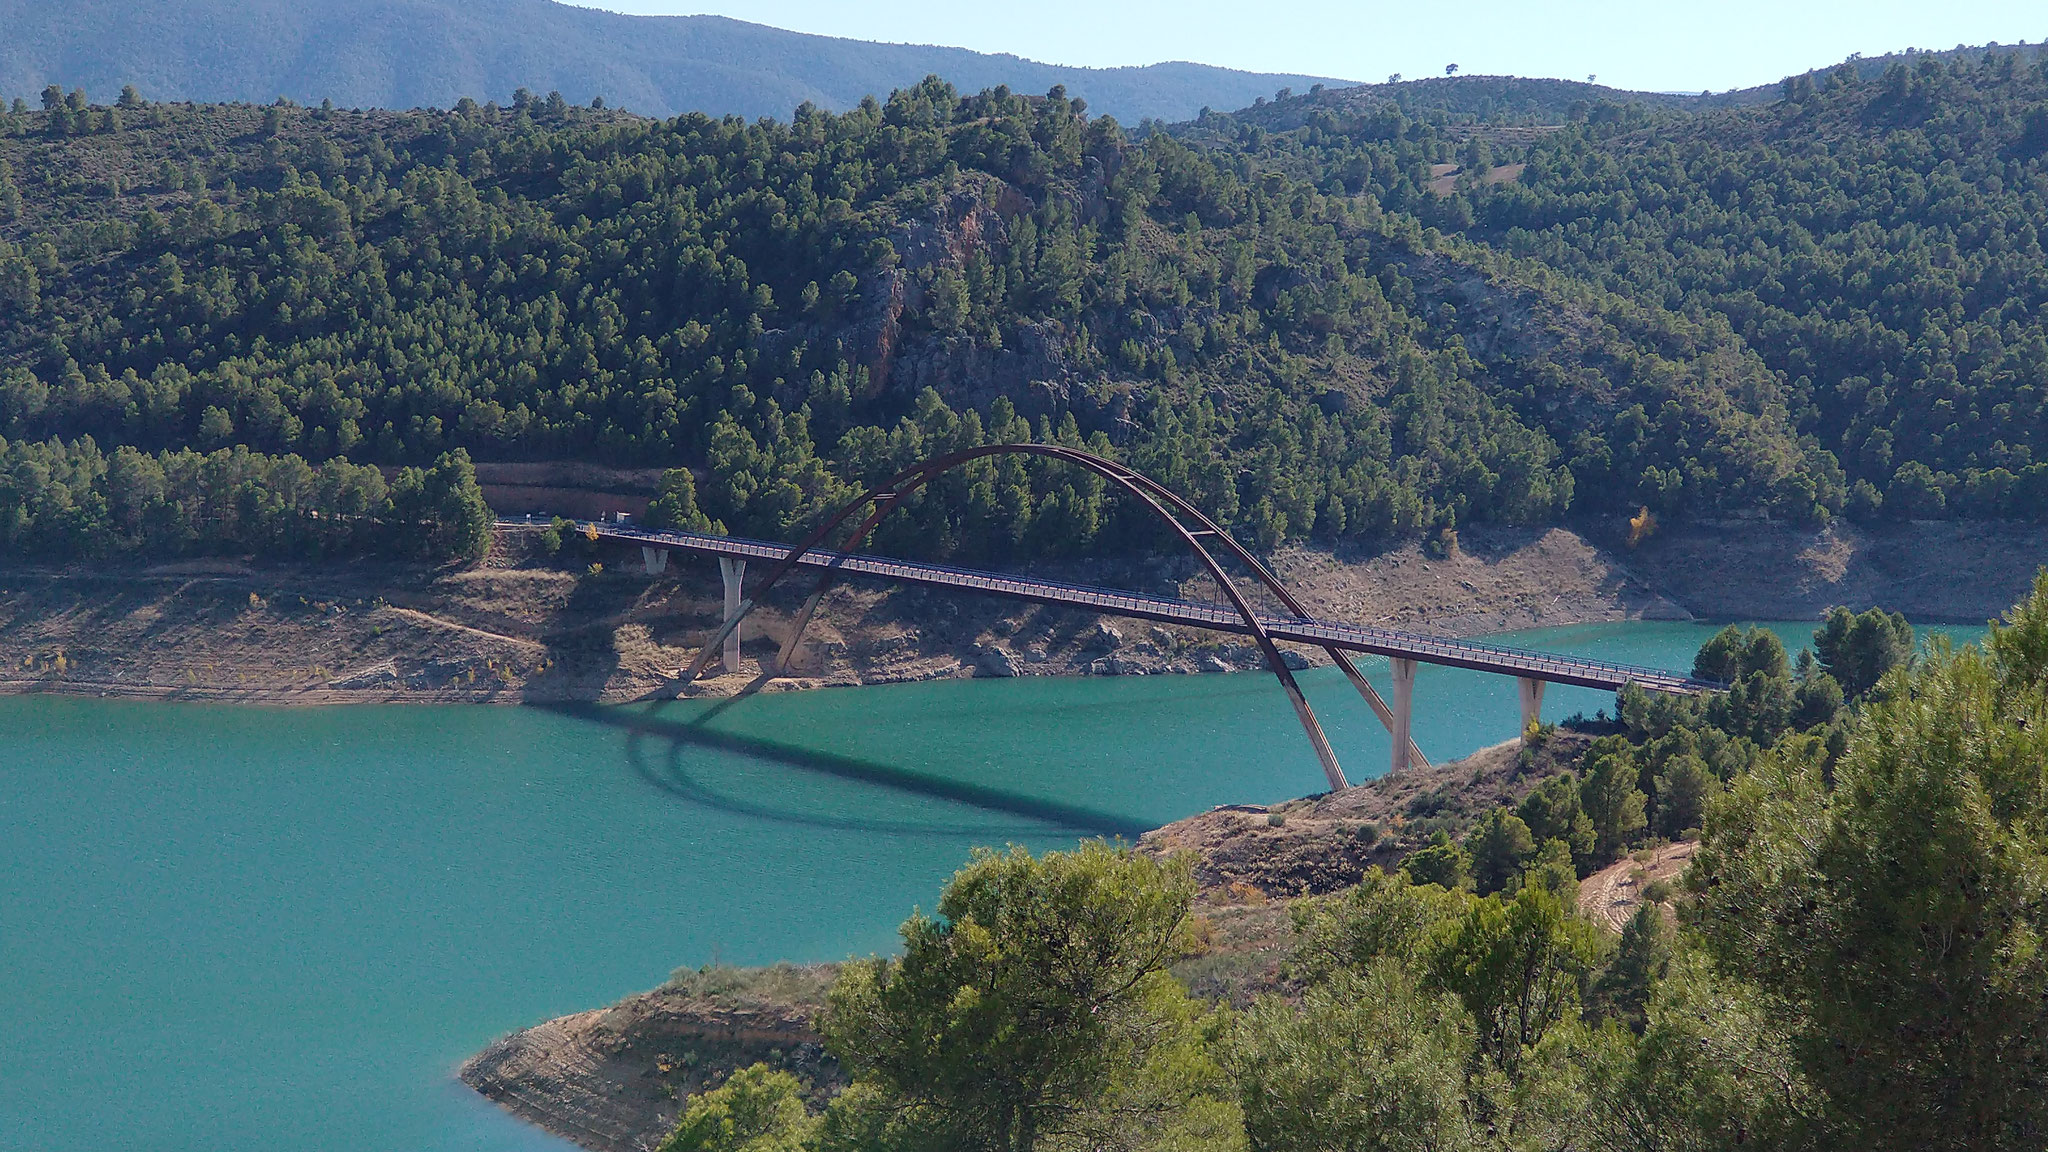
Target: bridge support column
1404,711
654,560
1532,702
1377,702
735,573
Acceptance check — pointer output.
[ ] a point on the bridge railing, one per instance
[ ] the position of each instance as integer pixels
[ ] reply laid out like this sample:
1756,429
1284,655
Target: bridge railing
1407,645
1538,661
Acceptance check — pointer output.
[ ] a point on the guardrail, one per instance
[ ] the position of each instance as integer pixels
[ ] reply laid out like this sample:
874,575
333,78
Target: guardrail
1583,672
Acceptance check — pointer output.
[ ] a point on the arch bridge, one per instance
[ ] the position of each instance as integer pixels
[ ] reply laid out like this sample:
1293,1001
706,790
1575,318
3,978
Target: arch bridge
1203,538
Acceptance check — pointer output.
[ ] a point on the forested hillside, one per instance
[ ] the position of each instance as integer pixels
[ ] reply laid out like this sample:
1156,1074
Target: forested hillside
1874,235
1323,318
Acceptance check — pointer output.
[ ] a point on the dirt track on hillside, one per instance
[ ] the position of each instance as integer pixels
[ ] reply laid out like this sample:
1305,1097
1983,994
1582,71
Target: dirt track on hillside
1612,895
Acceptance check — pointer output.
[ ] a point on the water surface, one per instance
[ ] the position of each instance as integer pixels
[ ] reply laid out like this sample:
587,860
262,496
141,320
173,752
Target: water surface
232,929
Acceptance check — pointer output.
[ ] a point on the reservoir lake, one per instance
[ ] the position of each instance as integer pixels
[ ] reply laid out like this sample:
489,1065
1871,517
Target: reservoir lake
249,929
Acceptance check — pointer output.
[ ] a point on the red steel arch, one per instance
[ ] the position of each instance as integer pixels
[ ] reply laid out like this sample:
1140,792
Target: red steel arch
1169,508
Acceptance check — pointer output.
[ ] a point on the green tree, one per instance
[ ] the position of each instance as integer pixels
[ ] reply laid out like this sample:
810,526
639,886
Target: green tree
1613,804
1516,964
1553,812
1901,910
216,427
1366,1062
1384,915
758,1109
1816,696
443,507
1738,652
1684,787
1760,706
2019,645
1716,1067
1500,847
1442,862
1552,870
1035,1008
1622,990
675,505
21,288
10,209
1858,648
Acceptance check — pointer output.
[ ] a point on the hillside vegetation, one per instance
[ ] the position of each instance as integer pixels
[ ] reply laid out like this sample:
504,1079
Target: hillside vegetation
1873,235
1323,318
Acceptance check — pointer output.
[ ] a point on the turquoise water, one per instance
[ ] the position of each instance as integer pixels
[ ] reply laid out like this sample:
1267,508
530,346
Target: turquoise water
229,929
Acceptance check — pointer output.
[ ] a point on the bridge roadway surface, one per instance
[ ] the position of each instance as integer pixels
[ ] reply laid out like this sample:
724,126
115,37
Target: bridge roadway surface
1584,673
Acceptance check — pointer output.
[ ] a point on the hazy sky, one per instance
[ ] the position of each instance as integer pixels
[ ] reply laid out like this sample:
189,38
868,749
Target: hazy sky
1645,45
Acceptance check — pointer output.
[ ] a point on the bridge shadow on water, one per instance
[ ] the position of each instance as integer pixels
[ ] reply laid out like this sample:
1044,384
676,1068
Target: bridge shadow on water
658,750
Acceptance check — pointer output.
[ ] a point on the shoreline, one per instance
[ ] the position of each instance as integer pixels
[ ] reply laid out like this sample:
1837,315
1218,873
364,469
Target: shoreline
588,627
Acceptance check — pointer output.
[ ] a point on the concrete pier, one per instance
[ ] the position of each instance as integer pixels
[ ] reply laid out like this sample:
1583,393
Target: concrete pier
654,560
735,572
1532,702
1404,711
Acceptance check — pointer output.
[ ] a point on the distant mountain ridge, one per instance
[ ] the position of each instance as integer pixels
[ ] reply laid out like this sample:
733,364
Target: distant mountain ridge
431,53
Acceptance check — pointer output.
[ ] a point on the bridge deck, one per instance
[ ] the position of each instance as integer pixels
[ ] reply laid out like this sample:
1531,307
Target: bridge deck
1585,673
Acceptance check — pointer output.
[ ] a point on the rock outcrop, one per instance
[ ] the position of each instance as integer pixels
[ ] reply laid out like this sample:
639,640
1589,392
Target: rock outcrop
612,1079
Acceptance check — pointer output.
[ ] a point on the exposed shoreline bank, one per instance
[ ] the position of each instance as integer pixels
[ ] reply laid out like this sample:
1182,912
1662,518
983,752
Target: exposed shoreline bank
593,628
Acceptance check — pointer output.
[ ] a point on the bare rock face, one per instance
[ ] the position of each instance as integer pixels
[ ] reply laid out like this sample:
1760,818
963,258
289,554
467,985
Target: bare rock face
997,662
1932,570
611,1080
892,329
550,1075
1324,843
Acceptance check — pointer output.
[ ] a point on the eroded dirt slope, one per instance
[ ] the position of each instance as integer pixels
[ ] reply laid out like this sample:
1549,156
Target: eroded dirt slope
1934,570
1324,843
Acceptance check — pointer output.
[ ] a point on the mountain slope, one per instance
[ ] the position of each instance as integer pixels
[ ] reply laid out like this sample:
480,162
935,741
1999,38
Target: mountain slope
1367,327
803,308
1872,232
431,53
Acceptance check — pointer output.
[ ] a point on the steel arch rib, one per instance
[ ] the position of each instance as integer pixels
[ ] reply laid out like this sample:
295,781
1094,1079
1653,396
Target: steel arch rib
1338,656
1162,503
